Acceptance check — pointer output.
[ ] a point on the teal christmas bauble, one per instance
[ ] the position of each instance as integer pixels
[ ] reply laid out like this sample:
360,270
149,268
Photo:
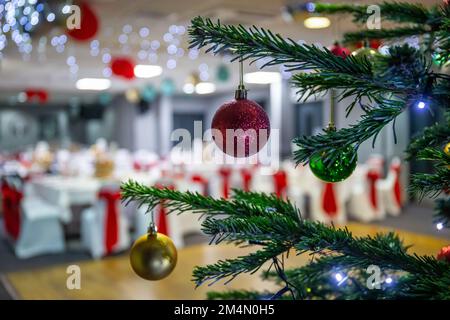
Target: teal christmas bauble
167,87
338,170
148,93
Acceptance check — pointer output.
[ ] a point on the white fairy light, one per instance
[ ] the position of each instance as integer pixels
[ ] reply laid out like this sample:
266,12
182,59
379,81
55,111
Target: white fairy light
142,54
51,17
168,37
144,32
439,226
171,64
66,9
127,28
172,49
123,38
155,44
106,58
107,72
204,76
203,67
71,60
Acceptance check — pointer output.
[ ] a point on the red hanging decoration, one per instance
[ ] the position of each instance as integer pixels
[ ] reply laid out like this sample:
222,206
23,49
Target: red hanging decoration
123,67
111,218
39,95
280,182
246,176
11,200
373,176
329,202
89,24
225,173
339,51
163,224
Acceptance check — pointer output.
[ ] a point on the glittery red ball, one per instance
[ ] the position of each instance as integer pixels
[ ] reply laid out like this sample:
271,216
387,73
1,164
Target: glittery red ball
240,128
339,51
444,254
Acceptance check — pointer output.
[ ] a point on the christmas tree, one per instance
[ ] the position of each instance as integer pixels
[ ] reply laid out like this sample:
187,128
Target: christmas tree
384,86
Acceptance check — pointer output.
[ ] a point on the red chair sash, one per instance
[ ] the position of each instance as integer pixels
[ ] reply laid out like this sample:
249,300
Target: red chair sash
329,202
12,199
204,183
163,224
246,176
225,173
111,218
280,183
373,177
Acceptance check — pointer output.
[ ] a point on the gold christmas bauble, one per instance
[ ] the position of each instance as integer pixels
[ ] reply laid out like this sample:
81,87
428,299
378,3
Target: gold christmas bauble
447,149
153,256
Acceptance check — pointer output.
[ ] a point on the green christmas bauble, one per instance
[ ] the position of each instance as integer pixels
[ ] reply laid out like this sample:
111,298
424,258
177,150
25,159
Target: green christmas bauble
337,171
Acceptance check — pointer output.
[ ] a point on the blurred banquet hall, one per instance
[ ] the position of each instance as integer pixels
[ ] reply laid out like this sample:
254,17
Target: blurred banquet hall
123,96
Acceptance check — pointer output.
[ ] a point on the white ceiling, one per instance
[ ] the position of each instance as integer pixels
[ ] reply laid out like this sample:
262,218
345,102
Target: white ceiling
50,71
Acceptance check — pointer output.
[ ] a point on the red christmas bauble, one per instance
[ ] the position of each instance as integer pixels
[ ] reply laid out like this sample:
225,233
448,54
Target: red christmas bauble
339,51
123,67
444,254
241,128
89,24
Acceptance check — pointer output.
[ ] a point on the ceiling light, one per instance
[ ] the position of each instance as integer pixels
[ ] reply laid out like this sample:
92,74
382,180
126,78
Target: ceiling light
93,84
317,22
205,87
188,88
262,77
147,71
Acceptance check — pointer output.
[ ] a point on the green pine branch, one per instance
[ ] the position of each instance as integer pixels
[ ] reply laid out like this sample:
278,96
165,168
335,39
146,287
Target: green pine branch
276,227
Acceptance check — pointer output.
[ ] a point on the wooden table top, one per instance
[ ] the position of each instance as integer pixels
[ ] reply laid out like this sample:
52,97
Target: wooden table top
112,278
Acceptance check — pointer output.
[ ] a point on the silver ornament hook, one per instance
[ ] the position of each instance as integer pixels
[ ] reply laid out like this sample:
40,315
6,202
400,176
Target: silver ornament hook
241,92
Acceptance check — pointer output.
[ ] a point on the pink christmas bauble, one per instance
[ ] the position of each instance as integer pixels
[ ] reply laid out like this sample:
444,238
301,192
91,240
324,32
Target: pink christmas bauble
240,128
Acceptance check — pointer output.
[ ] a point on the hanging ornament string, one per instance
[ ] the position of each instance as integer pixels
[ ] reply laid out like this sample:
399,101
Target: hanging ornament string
331,125
152,228
241,92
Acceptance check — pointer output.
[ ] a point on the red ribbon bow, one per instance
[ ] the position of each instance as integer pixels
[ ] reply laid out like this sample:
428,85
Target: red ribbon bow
225,173
247,176
12,199
280,181
329,203
111,218
373,177
163,225
199,179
